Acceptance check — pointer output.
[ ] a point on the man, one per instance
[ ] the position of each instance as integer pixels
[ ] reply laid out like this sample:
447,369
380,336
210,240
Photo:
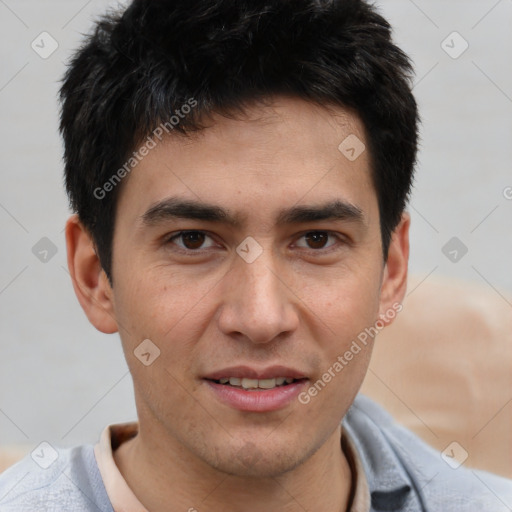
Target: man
239,173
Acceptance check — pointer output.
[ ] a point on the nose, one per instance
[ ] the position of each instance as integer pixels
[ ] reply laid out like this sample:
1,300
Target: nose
258,301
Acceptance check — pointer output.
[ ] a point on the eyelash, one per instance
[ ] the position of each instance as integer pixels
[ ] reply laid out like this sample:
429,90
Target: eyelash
340,241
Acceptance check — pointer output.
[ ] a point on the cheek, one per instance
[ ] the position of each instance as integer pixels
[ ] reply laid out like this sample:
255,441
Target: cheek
148,303
348,310
346,304
168,308
169,316
346,347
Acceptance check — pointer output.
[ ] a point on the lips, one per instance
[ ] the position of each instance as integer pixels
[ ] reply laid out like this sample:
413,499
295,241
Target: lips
256,400
256,390
246,372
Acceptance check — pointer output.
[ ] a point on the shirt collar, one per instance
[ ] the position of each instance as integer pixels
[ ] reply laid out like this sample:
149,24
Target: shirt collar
119,493
389,483
360,499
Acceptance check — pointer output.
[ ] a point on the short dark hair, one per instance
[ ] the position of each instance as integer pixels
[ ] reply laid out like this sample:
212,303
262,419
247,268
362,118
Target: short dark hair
140,66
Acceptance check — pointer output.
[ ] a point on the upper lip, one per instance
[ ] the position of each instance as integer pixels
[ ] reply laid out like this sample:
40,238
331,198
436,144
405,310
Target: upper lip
247,372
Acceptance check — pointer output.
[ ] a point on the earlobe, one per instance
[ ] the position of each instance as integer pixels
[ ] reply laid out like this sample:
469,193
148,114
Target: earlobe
90,282
394,282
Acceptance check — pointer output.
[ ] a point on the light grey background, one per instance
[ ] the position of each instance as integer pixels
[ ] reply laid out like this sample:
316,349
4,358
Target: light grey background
62,381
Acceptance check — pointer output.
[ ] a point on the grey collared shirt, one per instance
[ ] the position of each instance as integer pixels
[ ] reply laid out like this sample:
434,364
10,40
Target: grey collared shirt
404,474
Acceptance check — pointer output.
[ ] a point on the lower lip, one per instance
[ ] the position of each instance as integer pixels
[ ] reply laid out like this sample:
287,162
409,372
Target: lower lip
260,400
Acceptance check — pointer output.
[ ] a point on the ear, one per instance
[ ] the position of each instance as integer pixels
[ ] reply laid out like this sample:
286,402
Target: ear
394,281
90,282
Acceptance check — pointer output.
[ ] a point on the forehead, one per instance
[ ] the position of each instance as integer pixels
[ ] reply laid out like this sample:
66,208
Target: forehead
282,153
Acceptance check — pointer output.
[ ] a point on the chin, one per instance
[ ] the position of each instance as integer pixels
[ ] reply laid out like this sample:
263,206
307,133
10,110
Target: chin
262,460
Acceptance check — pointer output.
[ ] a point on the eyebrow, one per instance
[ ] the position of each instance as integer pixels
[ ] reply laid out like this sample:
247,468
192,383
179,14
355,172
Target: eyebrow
175,207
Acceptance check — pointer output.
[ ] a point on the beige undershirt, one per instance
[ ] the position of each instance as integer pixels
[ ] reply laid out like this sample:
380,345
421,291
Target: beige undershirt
123,499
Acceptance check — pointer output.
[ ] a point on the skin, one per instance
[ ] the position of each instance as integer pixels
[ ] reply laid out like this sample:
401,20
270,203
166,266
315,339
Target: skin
299,304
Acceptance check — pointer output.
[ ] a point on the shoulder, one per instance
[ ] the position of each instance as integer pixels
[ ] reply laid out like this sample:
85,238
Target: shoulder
54,480
395,458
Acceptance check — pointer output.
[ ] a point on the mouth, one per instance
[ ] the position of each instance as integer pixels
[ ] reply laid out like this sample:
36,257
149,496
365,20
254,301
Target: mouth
252,389
256,390
248,384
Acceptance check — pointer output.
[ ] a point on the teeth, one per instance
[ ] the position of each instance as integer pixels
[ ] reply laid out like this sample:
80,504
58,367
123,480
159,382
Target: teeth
249,383
267,383
256,383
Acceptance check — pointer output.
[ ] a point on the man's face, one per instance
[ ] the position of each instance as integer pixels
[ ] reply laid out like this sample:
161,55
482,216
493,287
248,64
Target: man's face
285,302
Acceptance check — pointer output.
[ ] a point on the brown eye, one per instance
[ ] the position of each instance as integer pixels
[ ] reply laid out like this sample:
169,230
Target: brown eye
192,239
317,239
320,241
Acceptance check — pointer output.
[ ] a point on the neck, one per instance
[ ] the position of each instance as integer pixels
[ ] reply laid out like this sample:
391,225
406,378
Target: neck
172,479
